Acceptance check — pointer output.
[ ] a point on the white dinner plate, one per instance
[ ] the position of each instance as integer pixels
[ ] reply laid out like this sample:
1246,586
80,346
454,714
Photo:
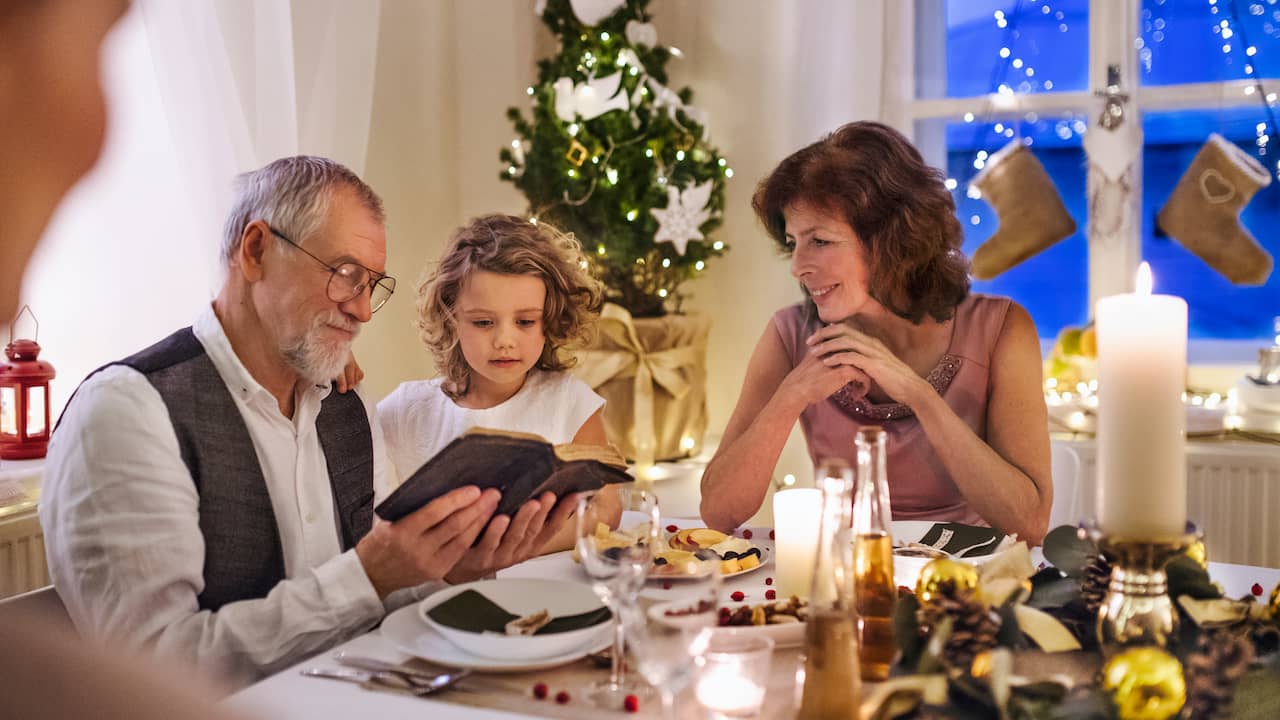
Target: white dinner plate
764,560
522,597
406,630
783,635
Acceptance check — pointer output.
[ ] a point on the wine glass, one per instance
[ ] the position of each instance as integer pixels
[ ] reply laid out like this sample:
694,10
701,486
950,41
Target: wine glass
667,641
617,561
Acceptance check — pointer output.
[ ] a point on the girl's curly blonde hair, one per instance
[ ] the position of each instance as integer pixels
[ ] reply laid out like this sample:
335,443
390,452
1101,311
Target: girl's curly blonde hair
509,245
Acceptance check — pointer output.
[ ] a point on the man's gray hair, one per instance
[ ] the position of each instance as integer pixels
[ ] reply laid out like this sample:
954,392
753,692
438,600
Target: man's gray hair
292,195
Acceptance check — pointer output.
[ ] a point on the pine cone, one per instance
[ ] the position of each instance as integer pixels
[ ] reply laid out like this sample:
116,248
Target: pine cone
974,625
1093,588
1221,657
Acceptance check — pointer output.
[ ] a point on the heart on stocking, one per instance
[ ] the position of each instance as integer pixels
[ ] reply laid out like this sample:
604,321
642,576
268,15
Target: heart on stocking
1216,188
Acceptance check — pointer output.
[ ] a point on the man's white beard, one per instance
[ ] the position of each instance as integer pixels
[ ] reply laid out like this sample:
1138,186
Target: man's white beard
317,359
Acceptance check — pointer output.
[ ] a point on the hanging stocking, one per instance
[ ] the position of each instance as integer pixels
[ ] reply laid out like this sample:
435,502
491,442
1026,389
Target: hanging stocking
1203,213
1031,214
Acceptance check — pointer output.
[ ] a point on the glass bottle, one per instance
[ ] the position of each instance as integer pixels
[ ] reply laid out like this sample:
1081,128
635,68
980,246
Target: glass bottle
874,587
832,689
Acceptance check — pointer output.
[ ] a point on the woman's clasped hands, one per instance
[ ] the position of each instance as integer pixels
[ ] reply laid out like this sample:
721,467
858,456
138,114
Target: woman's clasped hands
839,346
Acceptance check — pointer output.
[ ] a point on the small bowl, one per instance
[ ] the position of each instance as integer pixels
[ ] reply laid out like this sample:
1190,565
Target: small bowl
521,596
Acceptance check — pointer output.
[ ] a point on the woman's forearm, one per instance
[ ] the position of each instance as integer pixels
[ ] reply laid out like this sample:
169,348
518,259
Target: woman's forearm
1003,494
736,481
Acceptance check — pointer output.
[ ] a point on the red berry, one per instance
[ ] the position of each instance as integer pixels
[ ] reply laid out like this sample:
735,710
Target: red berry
672,528
772,535
746,534
540,690
562,697
631,703
768,581
1257,589
666,584
770,594
737,596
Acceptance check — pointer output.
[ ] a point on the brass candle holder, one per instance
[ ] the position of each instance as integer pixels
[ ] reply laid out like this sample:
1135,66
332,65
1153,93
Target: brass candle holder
1137,609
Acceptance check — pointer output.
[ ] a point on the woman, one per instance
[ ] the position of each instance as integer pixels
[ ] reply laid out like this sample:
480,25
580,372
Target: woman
888,335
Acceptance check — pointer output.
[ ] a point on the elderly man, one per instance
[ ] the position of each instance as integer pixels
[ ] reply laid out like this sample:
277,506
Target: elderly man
210,497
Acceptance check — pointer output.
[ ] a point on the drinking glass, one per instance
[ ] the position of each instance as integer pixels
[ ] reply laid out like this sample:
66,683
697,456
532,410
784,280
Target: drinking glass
667,640
735,676
618,563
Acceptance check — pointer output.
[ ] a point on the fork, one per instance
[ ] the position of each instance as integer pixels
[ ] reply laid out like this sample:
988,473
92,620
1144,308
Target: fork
388,679
375,665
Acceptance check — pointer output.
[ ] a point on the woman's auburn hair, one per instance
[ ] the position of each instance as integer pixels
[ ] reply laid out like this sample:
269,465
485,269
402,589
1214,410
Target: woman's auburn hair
876,181
509,245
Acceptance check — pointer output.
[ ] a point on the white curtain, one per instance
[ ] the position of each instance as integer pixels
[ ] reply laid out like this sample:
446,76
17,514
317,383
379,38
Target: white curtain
197,91
244,82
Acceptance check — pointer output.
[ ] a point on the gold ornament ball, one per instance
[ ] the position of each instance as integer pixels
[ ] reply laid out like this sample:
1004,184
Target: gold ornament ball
1145,683
1197,552
1273,605
943,570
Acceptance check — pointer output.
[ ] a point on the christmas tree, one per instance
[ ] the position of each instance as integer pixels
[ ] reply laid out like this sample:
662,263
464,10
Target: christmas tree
615,156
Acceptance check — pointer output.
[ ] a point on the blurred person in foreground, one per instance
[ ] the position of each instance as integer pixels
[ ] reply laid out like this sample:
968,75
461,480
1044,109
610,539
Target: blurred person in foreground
888,334
52,124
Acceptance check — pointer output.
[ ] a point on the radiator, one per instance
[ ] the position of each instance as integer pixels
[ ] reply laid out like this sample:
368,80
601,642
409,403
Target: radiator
22,562
1233,496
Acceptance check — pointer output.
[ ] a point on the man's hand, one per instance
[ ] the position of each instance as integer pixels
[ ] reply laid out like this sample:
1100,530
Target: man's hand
509,541
426,544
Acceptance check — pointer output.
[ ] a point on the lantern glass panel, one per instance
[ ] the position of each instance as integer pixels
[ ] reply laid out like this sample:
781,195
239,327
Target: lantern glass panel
8,411
35,411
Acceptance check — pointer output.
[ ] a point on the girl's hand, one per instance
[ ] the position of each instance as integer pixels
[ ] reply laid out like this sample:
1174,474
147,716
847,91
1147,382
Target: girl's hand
814,379
509,541
839,345
350,376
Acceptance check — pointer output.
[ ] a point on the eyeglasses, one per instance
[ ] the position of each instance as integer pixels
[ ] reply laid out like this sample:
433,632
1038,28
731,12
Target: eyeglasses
348,280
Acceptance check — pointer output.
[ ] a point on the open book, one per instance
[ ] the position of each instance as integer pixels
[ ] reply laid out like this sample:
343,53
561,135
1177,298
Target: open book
522,466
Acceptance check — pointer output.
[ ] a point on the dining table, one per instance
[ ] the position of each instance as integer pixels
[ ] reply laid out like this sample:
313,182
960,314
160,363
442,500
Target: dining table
289,694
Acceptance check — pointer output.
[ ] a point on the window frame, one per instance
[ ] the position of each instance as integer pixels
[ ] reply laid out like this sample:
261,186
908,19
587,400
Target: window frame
1113,25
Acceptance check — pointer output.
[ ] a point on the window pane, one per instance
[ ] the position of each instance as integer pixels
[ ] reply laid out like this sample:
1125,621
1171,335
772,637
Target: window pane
1217,309
1187,41
1052,285
1024,45
8,411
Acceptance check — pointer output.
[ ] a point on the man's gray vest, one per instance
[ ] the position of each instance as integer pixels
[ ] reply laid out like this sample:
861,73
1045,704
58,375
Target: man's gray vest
243,558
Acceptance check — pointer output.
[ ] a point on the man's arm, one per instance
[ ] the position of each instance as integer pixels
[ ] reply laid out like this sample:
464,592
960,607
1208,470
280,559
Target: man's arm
121,519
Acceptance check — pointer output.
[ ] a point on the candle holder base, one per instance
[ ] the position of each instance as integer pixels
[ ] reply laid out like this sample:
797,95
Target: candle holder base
1137,609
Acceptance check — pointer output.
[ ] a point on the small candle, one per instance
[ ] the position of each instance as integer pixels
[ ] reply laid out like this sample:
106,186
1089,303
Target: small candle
1142,368
725,691
796,515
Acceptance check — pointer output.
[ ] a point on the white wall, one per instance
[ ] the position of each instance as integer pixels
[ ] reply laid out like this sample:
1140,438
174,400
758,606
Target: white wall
114,276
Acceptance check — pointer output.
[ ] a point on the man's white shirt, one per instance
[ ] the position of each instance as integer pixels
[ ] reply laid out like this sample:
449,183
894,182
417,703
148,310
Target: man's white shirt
120,514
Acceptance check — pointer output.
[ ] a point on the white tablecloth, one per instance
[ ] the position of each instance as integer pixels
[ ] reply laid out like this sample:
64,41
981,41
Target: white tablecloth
289,695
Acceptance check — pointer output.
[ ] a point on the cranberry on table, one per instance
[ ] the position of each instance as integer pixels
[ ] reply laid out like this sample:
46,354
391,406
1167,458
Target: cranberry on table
562,697
540,690
737,596
631,703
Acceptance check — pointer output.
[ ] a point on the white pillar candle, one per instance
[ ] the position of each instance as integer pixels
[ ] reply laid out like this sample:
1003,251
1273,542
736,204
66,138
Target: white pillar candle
1142,368
796,516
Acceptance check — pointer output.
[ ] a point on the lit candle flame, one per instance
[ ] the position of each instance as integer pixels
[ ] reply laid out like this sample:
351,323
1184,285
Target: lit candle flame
1143,283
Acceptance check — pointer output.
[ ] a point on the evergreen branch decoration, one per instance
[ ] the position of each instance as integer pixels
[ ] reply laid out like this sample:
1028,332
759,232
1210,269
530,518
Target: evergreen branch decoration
605,141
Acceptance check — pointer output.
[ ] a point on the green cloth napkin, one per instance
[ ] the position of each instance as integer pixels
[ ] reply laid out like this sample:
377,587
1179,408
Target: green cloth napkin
953,537
471,611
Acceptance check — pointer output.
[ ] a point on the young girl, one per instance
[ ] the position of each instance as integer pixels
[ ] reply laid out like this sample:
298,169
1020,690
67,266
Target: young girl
499,314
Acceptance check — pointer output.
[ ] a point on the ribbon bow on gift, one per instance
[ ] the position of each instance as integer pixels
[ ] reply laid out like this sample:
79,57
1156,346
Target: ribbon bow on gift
633,360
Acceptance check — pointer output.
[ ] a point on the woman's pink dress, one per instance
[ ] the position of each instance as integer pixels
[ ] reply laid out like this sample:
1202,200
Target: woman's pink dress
921,488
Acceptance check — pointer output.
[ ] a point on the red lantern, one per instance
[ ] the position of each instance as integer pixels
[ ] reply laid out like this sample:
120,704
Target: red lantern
24,398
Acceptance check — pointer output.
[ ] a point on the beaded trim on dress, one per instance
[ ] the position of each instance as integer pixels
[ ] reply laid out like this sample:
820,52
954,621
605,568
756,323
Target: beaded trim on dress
940,378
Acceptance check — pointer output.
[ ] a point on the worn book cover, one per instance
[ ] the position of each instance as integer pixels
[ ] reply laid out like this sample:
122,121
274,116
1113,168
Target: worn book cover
522,466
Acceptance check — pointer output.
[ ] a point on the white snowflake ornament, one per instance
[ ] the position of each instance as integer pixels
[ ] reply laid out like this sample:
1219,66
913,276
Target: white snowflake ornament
591,12
686,210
